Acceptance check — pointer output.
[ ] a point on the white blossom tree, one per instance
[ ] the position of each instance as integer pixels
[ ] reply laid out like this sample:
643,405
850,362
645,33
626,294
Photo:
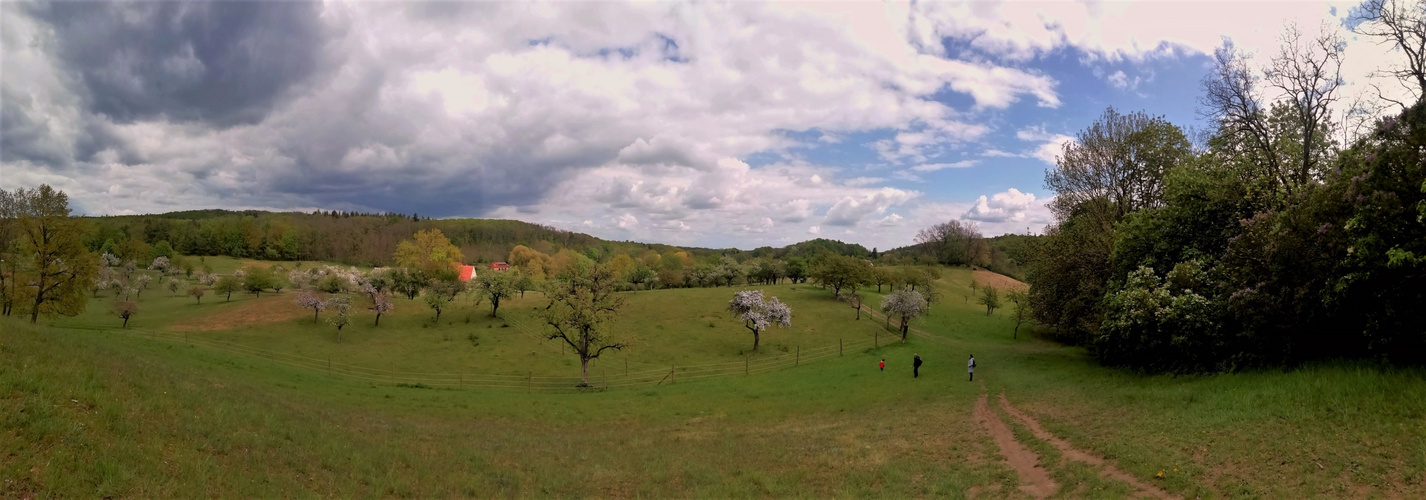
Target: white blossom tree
758,314
906,304
341,306
309,300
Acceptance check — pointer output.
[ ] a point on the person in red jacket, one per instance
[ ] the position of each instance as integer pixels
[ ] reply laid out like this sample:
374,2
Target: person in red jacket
882,364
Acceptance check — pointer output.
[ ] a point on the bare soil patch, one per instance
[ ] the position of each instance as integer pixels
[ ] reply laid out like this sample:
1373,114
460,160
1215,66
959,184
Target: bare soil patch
1106,469
263,310
1035,480
998,281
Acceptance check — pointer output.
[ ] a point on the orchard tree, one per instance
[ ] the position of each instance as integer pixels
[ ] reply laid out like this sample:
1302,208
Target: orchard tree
196,292
436,300
256,279
638,274
842,272
49,258
160,264
381,304
226,286
141,283
758,314
907,304
309,300
341,306
990,298
579,311
1021,300
173,285
126,309
523,281
495,286
855,300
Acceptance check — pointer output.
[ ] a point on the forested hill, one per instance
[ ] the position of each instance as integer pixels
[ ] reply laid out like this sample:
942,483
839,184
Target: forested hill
1005,254
371,239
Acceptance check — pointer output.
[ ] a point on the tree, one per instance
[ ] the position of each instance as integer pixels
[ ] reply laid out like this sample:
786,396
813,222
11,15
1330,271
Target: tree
797,270
523,281
160,264
1119,158
990,298
1401,23
1021,313
226,286
842,272
855,299
757,314
341,306
407,282
436,300
579,311
173,285
256,279
126,309
51,260
621,264
308,299
907,304
196,292
496,286
380,304
881,276
430,252
639,274
1308,74
954,242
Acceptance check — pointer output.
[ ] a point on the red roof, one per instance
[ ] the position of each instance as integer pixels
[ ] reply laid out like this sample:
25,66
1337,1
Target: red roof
499,266
467,272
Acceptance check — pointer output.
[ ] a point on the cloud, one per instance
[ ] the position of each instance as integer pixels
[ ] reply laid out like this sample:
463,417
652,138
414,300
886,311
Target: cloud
1009,206
814,230
762,226
1051,144
1121,81
850,209
627,221
932,167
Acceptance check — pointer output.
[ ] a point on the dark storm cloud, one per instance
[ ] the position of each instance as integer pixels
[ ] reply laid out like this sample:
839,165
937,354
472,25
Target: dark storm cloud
26,134
219,62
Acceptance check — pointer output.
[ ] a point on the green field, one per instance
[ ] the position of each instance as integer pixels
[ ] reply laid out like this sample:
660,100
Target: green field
230,399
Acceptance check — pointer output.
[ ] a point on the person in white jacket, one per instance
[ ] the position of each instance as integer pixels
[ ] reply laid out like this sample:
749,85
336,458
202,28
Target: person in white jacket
970,367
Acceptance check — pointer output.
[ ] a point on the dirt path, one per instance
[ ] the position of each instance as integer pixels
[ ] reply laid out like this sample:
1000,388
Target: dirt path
1106,469
1035,481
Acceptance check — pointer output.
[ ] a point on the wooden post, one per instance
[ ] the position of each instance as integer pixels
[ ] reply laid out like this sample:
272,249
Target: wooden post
876,338
606,377
671,370
840,352
745,364
798,360
529,380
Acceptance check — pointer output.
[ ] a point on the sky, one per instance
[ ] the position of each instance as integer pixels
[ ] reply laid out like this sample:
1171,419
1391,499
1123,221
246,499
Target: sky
705,124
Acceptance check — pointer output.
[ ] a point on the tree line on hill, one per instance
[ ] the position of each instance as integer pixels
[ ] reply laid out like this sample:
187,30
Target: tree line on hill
1283,237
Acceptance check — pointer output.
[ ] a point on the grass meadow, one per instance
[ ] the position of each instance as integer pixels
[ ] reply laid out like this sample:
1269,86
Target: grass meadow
91,410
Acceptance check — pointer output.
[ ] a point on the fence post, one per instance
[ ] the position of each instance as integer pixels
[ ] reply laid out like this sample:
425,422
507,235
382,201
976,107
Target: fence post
876,338
671,371
798,360
745,364
840,352
529,380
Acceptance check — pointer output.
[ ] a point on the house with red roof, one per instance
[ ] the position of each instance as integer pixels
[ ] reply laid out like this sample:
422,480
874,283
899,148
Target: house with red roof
499,266
467,273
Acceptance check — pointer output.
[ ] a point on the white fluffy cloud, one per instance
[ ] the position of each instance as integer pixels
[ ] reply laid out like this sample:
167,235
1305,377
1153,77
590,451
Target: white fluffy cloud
1009,206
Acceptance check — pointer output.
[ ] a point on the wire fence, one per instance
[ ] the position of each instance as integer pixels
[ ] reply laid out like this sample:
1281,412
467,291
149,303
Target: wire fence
646,375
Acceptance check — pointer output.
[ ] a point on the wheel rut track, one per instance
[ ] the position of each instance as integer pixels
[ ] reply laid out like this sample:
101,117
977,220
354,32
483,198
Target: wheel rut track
1035,480
1035,474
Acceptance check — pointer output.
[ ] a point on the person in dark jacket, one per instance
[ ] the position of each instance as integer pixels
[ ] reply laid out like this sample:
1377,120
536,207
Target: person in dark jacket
916,366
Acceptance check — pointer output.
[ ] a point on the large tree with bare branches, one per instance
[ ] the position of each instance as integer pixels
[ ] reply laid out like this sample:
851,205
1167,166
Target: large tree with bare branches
580,310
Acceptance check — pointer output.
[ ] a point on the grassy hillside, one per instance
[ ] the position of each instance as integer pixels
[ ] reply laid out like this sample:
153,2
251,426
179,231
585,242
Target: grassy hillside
86,412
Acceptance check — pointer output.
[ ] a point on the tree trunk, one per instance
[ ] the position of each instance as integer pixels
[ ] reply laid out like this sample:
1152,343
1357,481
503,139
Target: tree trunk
126,321
755,340
1016,333
859,312
903,329
315,312
494,306
584,370
378,320
339,334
